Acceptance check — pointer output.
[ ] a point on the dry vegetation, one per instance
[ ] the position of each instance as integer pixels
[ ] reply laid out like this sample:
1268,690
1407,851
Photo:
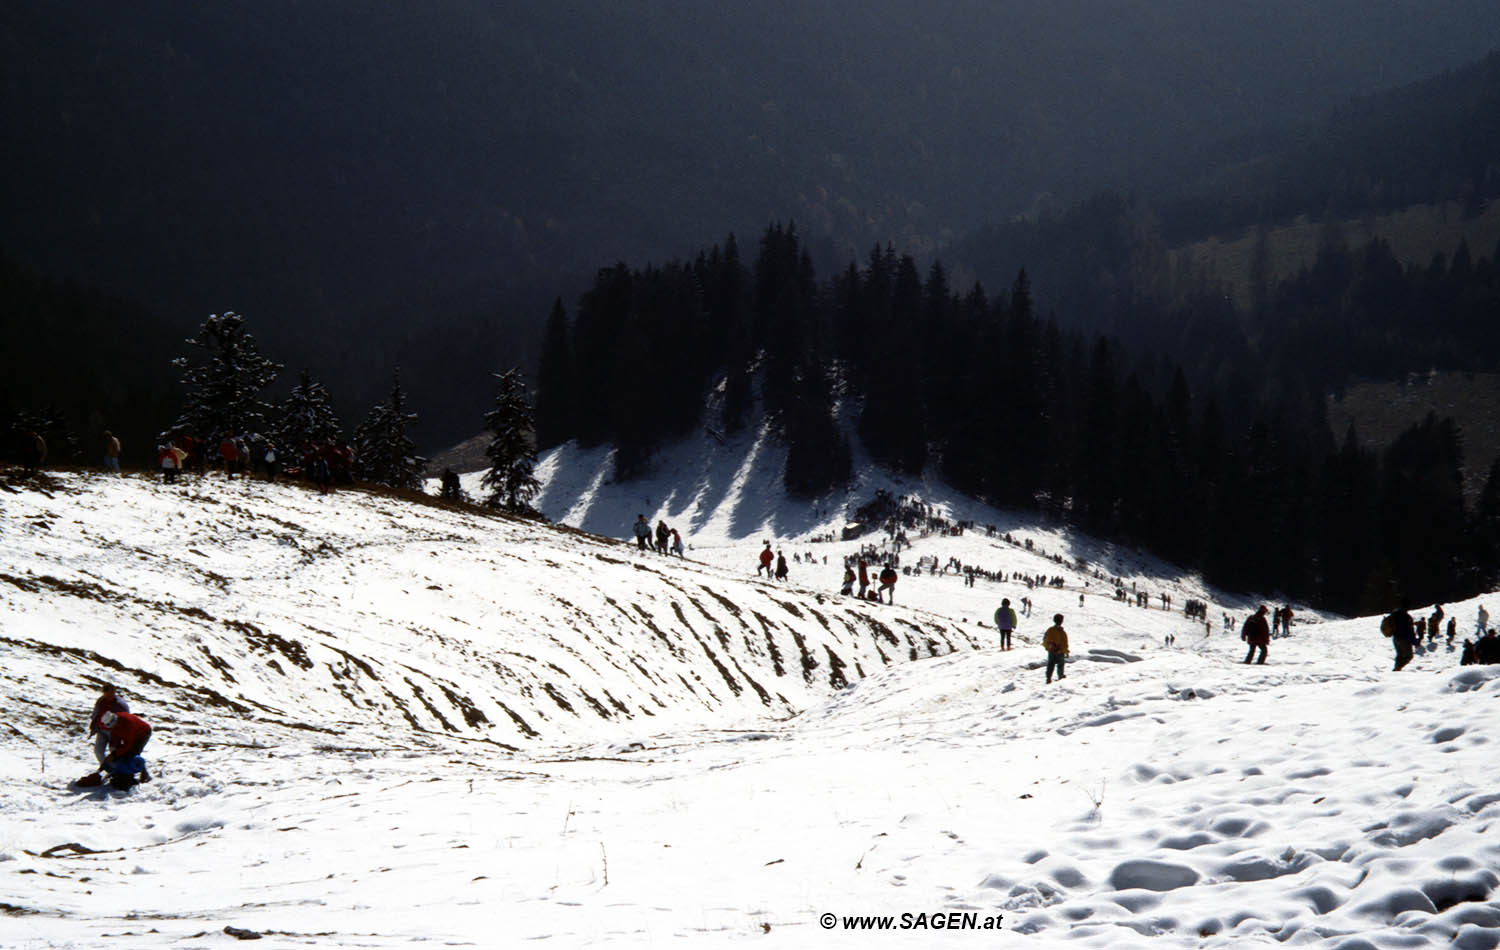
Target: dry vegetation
1415,235
1381,411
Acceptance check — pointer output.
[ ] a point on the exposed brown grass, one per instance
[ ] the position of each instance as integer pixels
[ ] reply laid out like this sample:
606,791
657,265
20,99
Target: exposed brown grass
1382,411
1415,234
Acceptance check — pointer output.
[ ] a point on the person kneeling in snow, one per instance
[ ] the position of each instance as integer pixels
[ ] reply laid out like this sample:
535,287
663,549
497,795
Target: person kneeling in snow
128,735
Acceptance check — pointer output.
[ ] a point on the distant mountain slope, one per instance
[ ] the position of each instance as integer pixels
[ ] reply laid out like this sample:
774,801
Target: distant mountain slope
352,610
297,160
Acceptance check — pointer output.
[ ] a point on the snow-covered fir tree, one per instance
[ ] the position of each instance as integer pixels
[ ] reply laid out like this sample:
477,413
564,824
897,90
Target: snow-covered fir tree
383,452
306,417
511,451
223,389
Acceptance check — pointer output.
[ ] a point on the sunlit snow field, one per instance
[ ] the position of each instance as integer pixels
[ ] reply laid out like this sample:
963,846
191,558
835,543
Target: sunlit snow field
381,723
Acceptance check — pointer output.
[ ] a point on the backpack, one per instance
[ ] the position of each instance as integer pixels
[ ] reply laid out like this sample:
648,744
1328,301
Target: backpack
1388,625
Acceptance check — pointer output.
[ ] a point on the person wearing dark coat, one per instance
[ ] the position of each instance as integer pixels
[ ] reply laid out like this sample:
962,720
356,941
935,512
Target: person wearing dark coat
1487,649
1403,635
1257,633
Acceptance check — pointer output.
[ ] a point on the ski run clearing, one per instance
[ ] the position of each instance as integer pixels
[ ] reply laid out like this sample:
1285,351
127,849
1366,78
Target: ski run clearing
386,723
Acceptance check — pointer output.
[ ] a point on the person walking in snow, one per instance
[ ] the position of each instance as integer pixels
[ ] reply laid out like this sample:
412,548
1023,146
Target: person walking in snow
781,571
38,454
642,531
1483,621
676,543
1005,622
1434,623
166,457
767,557
1257,633
887,583
662,533
1399,628
864,576
109,701
1487,649
848,587
229,452
1055,642
111,453
128,735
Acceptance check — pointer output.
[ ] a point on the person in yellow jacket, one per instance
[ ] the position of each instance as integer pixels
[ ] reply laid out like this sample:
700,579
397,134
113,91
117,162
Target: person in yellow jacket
1055,640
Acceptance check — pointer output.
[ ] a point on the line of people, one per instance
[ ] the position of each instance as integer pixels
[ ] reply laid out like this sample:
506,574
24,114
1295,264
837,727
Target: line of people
666,541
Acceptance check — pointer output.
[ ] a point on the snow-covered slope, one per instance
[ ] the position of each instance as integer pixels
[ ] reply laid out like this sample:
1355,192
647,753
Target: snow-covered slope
355,609
339,685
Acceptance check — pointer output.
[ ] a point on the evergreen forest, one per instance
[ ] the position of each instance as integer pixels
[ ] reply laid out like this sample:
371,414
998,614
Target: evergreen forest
1214,453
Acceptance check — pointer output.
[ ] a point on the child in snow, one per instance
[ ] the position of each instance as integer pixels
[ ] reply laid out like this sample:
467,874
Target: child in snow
1055,642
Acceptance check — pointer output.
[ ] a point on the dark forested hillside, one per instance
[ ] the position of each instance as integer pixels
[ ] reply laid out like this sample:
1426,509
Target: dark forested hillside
352,175
1226,463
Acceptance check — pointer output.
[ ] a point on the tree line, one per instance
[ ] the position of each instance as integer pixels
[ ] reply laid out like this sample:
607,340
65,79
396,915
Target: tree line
1225,465
221,395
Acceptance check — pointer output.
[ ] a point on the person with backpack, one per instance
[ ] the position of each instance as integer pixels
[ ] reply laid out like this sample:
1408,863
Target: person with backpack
1005,622
848,587
676,543
1398,626
1257,633
662,534
1055,642
642,531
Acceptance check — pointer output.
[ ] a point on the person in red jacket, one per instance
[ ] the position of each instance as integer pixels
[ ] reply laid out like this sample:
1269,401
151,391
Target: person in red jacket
128,735
766,557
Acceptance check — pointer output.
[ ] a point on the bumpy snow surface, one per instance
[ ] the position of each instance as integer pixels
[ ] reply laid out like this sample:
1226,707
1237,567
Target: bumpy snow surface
381,723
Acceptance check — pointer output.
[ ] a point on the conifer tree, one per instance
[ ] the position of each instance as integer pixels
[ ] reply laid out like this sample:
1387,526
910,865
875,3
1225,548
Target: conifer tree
306,417
556,384
223,390
511,452
384,453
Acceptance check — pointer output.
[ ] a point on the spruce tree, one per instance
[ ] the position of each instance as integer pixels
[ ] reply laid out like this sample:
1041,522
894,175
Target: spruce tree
223,390
511,452
306,417
557,387
384,453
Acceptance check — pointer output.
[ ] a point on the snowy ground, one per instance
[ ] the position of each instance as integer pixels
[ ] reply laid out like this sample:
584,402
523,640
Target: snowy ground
339,685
